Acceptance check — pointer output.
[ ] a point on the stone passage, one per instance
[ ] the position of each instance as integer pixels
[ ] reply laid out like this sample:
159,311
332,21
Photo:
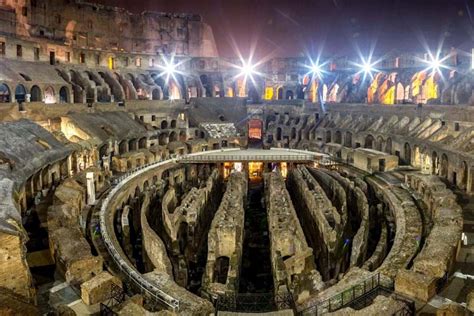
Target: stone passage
256,275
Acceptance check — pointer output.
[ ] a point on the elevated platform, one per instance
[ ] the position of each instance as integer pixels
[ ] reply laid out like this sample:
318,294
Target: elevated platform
260,155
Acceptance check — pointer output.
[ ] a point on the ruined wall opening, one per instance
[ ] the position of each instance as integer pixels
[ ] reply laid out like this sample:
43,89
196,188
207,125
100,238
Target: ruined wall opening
4,93
221,269
35,94
369,142
338,137
348,140
444,166
20,93
64,95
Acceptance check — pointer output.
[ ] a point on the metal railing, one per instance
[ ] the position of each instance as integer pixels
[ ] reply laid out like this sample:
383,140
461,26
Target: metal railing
214,158
135,277
254,302
347,296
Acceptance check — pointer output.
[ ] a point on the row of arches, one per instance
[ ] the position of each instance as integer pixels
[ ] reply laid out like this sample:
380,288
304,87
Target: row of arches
21,94
431,162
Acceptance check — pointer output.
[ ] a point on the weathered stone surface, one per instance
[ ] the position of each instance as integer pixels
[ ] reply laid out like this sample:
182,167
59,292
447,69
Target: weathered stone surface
190,304
99,288
14,304
73,255
225,239
452,309
292,260
381,305
416,285
14,272
470,301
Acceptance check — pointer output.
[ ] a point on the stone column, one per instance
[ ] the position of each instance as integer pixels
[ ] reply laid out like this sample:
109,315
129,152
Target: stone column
90,188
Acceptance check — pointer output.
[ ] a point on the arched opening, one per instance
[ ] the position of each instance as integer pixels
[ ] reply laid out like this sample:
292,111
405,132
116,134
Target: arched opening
464,175
132,145
164,124
221,269
173,137
163,139
278,134
123,147
173,124
182,236
206,85
20,93
155,94
379,143
434,163
388,146
142,143
348,139
407,157
49,96
253,94
328,136
293,133
182,136
369,142
289,95
338,137
280,93
444,166
35,94
4,93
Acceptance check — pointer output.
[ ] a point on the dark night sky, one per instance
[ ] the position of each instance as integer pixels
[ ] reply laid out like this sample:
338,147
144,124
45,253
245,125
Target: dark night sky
293,27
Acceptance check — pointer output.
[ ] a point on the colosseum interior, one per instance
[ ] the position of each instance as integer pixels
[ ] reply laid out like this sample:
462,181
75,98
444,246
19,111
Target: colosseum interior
141,175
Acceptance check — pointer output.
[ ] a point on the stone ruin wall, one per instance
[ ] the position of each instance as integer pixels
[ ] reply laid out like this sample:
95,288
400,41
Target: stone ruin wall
292,260
225,237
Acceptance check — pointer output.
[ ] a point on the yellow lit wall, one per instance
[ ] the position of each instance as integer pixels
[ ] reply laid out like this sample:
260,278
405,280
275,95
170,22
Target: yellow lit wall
268,93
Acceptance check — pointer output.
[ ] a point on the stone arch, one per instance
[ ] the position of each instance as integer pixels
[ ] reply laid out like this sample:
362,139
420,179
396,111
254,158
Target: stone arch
5,95
369,141
407,152
155,94
173,137
464,175
64,95
20,93
173,124
142,143
388,146
293,133
49,95
163,139
280,93
379,143
123,147
289,95
278,133
221,270
328,136
348,139
182,236
338,137
206,85
182,136
35,94
434,163
444,167
164,124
